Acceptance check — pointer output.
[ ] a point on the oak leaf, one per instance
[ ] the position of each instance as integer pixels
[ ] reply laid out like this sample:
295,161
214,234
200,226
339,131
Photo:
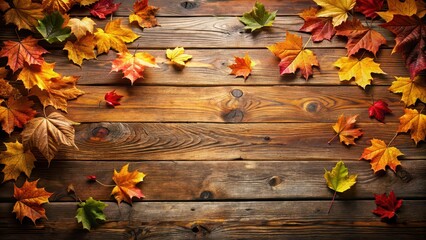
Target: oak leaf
29,201
345,129
144,14
411,89
112,98
415,122
381,155
84,48
16,160
242,66
115,36
126,182
25,51
397,7
90,212
103,8
177,56
16,113
337,9
24,14
258,17
133,66
351,67
369,7
81,27
294,56
321,28
386,205
378,110
34,75
61,6
48,133
52,29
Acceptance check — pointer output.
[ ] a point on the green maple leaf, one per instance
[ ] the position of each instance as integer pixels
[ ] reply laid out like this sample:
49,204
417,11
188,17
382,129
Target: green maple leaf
258,17
50,27
90,212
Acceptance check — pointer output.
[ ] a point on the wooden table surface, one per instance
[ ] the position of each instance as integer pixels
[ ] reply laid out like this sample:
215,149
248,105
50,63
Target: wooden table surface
225,158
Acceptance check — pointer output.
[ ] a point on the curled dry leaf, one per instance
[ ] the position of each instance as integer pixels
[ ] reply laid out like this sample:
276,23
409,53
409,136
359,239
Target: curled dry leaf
380,155
144,14
17,160
415,122
126,183
242,66
345,129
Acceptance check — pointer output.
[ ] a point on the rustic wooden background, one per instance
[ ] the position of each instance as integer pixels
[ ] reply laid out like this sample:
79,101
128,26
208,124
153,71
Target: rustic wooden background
225,158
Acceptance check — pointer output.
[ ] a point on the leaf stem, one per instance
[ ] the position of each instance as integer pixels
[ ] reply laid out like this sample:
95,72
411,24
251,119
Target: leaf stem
19,38
332,201
337,134
310,37
105,185
396,134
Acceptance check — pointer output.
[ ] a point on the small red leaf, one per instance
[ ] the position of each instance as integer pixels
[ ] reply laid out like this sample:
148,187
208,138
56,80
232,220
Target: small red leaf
378,110
91,178
386,205
112,99
103,8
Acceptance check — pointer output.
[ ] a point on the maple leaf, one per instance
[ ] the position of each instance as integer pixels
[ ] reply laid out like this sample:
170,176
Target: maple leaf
16,160
242,66
345,129
86,2
381,155
386,206
81,27
258,17
25,51
29,200
415,122
397,7
62,6
90,212
339,180
6,90
337,9
144,14
133,66
293,56
378,110
103,8
34,75
58,92
115,36
51,28
24,14
321,28
16,113
126,183
177,56
351,67
360,37
411,89
112,98
410,41
81,49
48,133
369,7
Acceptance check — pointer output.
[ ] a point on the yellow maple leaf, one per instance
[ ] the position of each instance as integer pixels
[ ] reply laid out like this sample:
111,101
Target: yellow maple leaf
81,27
411,89
407,8
61,6
126,184
337,9
115,36
86,2
178,56
16,160
37,75
351,67
25,14
81,49
415,122
381,155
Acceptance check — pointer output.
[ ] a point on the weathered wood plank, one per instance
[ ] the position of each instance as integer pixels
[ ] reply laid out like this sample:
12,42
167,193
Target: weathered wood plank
226,180
226,220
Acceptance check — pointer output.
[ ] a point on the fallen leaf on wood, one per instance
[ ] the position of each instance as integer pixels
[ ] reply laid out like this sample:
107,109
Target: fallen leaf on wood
242,66
337,9
84,48
112,98
177,56
81,27
258,17
380,155
16,113
126,182
345,129
386,205
24,14
133,66
397,7
321,28
34,75
378,110
115,36
61,6
90,213
415,122
17,160
52,29
411,89
103,8
369,7
144,14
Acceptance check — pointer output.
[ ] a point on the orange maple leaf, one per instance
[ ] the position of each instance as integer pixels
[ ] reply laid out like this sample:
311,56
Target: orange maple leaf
411,89
381,155
144,14
242,66
16,113
345,129
61,6
133,66
415,122
294,56
126,183
6,90
24,14
34,75
29,200
16,160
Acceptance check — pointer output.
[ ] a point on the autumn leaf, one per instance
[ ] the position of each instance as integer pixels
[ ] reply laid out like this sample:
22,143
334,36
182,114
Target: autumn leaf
339,180
133,66
258,17
84,48
48,133
81,27
86,2
6,90
415,122
90,213
115,36
25,51
369,7
16,160
410,41
51,28
35,75
360,37
386,205
103,8
177,56
337,9
242,66
24,14
345,129
381,155
351,67
29,201
378,110
397,7
61,6
294,56
16,113
112,98
144,14
411,89
321,28
126,183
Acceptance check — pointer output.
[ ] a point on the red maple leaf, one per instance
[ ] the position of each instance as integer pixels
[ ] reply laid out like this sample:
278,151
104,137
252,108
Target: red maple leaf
386,205
369,7
378,110
103,8
321,28
112,99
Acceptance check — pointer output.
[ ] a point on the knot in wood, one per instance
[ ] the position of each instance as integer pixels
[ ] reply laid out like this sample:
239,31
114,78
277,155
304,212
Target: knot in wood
235,115
99,133
404,175
311,107
275,181
206,195
237,93
189,4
